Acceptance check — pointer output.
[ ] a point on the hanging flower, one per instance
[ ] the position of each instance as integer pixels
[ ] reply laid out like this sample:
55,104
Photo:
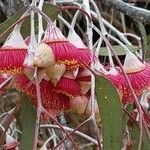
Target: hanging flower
85,53
138,74
64,52
51,100
68,85
12,54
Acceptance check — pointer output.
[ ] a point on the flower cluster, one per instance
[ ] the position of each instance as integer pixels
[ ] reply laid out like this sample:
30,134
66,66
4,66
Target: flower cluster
61,74
62,70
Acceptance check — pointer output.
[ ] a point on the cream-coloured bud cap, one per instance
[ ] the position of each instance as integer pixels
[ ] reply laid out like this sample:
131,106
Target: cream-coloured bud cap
54,73
44,56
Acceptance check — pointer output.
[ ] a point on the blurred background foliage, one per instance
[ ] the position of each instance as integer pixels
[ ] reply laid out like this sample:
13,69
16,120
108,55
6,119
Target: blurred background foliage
117,19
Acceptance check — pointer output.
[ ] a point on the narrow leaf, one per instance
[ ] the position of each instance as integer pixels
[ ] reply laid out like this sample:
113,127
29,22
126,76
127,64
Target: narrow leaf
51,10
28,120
5,25
111,114
118,49
135,133
126,118
135,136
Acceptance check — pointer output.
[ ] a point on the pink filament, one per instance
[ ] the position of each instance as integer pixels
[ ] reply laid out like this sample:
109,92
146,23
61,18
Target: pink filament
69,87
50,99
65,53
12,59
140,81
85,56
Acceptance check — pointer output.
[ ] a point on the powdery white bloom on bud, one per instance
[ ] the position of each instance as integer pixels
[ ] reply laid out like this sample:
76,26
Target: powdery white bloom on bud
113,71
76,40
132,63
98,66
11,143
15,39
44,56
12,53
85,53
53,33
55,72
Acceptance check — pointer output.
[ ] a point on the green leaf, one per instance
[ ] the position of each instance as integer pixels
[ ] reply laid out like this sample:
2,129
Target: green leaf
135,136
111,114
118,49
135,133
51,10
129,108
5,25
28,121
146,142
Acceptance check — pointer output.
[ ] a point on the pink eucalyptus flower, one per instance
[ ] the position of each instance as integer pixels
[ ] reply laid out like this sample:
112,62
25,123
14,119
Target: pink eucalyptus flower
12,54
68,85
51,100
11,60
85,53
138,74
64,51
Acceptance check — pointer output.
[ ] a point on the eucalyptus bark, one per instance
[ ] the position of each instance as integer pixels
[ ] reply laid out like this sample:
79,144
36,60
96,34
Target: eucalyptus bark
136,13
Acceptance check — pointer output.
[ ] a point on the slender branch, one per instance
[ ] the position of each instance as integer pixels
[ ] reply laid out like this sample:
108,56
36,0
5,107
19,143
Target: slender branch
79,126
40,21
39,111
107,24
76,8
6,122
72,130
61,127
137,13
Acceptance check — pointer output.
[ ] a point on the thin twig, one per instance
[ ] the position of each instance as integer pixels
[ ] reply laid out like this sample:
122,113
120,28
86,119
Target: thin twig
137,13
62,128
75,129
72,131
75,8
39,111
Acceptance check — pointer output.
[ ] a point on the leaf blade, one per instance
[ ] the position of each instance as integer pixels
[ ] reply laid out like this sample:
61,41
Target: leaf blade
28,121
111,114
50,10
